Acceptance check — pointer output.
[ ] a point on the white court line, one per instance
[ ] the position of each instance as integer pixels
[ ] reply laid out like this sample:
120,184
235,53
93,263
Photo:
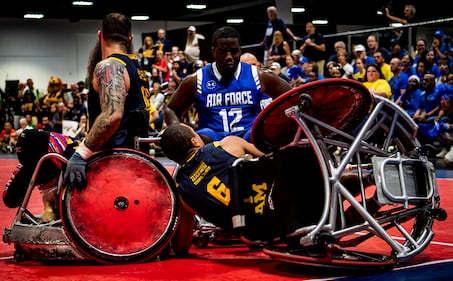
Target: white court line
6,258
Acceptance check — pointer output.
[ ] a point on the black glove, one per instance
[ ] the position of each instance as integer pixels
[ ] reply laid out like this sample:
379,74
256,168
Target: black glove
75,174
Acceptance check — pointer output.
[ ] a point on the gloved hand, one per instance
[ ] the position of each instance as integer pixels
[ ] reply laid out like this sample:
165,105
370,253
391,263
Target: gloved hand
75,174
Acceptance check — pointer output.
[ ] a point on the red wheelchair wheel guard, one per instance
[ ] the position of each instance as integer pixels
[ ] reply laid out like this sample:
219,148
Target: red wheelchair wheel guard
341,103
127,213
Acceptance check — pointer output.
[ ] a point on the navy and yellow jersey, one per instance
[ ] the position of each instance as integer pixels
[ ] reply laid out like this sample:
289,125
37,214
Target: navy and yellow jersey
229,108
203,183
137,107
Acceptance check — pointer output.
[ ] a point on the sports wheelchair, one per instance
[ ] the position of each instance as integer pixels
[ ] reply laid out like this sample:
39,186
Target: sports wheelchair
371,205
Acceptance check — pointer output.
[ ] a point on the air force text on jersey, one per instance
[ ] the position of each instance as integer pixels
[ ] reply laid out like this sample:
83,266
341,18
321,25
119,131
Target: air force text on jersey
228,99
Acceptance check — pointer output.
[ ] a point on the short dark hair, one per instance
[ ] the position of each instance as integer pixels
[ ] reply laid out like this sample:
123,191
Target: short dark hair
225,32
176,142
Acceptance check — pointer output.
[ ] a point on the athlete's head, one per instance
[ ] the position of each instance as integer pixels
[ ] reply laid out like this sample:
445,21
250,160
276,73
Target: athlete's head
226,50
117,27
178,140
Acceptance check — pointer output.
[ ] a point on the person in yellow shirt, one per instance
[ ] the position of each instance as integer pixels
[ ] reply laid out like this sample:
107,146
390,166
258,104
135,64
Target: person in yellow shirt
376,83
361,71
379,60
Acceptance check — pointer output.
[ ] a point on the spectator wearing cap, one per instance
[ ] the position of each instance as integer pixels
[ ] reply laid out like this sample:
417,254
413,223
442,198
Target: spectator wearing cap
396,49
304,63
410,100
440,44
360,52
195,42
276,68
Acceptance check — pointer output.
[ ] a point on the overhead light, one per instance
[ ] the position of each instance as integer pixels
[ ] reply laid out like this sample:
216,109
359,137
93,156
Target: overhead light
297,10
196,6
320,22
140,18
82,3
33,16
235,21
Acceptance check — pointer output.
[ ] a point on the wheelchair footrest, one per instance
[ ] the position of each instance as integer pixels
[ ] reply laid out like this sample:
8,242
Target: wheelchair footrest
321,256
403,180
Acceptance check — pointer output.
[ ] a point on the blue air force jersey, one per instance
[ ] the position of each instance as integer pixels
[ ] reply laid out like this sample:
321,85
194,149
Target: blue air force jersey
230,108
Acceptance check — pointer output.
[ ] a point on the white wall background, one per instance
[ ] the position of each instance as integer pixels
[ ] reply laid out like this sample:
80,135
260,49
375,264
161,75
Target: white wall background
41,49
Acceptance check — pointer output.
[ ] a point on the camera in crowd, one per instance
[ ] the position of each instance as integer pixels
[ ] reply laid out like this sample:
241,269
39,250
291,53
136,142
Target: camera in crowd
388,5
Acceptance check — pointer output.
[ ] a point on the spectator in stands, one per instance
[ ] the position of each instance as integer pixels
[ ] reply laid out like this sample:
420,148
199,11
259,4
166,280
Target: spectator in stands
432,62
430,106
177,74
146,54
407,64
396,49
338,45
422,68
441,45
274,23
410,100
361,70
420,51
157,99
8,137
23,125
379,60
161,65
313,73
195,43
360,52
398,82
163,43
372,42
376,83
276,68
278,50
343,61
444,71
31,88
46,124
408,17
313,47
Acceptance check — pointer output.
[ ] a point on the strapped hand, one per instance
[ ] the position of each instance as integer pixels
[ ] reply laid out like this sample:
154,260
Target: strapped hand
75,174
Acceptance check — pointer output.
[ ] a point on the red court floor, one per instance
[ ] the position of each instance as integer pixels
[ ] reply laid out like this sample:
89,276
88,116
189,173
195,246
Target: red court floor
229,262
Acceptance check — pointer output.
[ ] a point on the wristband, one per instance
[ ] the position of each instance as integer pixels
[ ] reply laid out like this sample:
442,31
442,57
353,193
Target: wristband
84,151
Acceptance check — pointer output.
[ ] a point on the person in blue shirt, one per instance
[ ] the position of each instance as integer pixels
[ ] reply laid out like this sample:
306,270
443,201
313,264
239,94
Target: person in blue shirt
226,93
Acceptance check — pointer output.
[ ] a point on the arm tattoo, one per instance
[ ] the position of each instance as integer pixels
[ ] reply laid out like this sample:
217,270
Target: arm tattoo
112,95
